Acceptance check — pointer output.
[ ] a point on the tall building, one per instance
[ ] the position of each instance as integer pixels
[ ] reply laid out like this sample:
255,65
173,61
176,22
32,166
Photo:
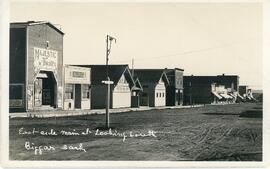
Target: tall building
36,65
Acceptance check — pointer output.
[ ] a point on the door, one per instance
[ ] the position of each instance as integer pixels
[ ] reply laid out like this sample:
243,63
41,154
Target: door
78,96
38,92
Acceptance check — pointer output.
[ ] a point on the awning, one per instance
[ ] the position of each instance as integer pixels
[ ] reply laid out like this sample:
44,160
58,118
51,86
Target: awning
42,75
238,95
233,95
226,96
217,95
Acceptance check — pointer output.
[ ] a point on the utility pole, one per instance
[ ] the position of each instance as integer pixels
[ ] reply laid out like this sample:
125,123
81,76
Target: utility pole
109,40
132,73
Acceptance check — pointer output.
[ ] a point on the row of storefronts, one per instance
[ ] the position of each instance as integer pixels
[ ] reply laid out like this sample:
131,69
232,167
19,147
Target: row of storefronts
40,81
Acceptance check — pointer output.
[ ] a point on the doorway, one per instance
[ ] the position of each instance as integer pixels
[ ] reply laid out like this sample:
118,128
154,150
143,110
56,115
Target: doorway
45,89
78,96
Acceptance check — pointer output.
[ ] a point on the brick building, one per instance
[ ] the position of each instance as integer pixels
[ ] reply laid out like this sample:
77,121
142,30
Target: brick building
36,65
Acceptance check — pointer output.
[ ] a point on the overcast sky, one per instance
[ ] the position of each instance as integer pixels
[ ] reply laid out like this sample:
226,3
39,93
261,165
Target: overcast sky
202,39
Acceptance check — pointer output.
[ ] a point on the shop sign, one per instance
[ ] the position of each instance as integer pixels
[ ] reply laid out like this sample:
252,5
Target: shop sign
45,59
78,75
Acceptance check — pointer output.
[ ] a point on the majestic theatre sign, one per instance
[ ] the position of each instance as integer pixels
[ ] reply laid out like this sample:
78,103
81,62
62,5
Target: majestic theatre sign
45,59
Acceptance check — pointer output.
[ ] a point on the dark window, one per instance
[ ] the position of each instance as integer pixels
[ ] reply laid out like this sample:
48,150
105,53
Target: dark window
145,86
85,91
157,95
16,91
144,94
69,91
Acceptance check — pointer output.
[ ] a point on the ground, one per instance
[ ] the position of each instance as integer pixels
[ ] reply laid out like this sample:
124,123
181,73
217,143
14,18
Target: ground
213,132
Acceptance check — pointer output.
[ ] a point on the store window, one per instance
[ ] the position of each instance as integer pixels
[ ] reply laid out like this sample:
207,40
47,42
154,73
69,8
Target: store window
85,91
69,91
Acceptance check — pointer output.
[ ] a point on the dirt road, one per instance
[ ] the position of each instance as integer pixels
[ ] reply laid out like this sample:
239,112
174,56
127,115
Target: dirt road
214,132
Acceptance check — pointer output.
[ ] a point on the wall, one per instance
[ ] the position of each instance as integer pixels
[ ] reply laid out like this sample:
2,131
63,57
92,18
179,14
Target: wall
121,94
38,35
17,67
160,94
98,95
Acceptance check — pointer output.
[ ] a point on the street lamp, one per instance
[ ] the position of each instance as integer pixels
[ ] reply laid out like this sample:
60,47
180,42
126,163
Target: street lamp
109,40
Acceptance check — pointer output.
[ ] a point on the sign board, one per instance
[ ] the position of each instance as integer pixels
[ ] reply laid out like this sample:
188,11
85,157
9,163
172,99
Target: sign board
77,75
45,59
107,82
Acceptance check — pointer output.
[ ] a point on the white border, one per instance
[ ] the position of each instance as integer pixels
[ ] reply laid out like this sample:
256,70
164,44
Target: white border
4,30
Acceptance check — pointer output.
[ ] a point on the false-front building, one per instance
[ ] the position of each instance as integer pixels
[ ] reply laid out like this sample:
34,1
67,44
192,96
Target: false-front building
209,89
77,91
154,82
120,91
36,64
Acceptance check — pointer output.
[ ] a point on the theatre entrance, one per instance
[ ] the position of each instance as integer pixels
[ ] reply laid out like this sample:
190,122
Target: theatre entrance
45,90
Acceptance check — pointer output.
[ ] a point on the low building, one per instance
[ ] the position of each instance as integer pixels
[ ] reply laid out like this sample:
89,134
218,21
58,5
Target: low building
247,93
77,88
154,82
206,89
174,91
36,66
136,92
120,90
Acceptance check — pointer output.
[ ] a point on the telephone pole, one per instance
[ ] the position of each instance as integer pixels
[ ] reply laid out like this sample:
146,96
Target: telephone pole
109,40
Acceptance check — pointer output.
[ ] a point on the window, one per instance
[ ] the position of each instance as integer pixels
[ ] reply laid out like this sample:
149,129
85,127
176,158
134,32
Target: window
69,91
157,95
85,91
145,86
163,95
144,94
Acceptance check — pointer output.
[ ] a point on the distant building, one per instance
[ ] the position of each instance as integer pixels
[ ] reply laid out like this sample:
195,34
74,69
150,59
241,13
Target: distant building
247,93
174,91
77,93
120,90
36,65
209,89
154,82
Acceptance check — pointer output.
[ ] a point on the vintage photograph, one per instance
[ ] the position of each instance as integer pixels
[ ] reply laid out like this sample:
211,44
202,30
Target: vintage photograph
135,81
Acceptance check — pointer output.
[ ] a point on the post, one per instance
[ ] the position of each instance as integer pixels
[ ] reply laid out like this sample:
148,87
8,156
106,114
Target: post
107,105
108,85
109,40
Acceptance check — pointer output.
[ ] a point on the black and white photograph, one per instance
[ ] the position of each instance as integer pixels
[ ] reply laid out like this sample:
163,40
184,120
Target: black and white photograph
126,81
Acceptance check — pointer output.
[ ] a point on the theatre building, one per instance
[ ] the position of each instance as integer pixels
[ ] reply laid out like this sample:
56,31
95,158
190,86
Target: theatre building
77,88
36,65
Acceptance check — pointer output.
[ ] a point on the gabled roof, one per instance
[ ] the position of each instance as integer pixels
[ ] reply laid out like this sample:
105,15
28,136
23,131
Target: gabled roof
151,75
98,73
31,23
137,85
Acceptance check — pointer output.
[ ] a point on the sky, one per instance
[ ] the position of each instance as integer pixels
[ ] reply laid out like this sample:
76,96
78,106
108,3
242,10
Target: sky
201,38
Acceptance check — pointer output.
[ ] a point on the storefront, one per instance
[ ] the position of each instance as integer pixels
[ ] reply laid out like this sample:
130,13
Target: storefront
77,88
36,65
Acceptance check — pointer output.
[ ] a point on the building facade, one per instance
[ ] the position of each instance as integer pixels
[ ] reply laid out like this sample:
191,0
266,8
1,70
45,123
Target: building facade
36,65
77,90
120,90
174,91
209,89
154,82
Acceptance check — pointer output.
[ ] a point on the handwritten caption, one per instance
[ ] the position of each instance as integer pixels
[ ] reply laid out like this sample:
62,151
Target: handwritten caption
39,149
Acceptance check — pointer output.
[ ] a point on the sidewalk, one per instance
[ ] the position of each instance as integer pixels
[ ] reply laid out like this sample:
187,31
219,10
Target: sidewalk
63,113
